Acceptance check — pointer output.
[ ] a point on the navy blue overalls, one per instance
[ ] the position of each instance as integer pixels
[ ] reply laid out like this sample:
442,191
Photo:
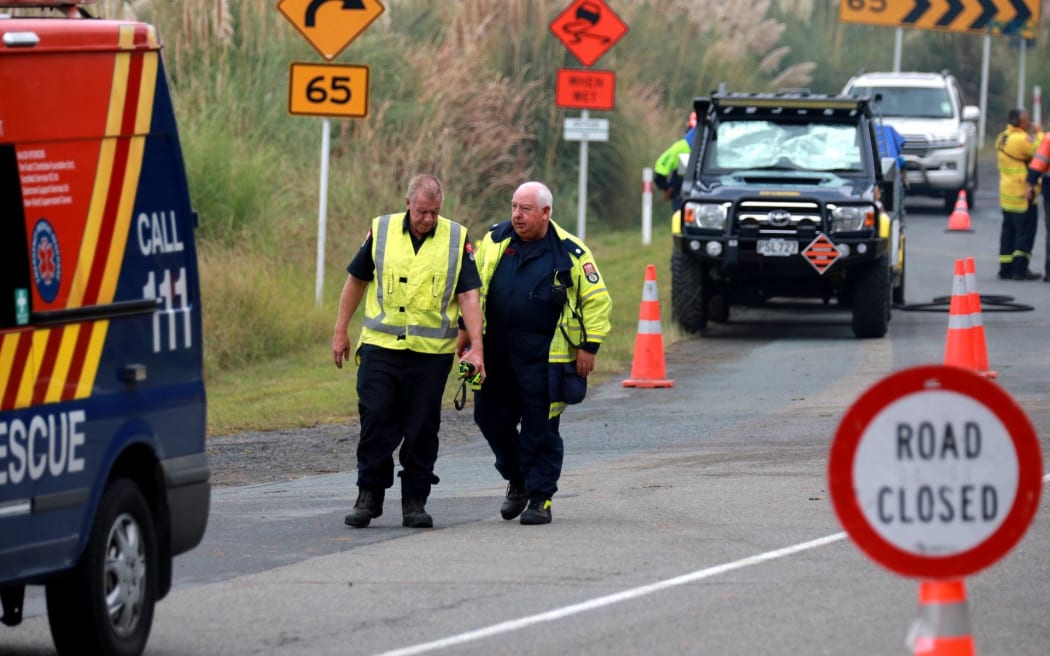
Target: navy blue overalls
523,305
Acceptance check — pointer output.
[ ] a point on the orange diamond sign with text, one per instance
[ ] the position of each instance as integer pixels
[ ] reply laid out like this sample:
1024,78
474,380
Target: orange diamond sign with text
588,28
330,25
821,253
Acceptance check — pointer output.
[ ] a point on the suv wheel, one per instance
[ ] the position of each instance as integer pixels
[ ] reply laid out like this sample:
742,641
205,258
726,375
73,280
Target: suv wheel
971,187
688,294
871,300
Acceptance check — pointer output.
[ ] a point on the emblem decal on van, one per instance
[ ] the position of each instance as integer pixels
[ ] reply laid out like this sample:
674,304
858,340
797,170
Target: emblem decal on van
47,261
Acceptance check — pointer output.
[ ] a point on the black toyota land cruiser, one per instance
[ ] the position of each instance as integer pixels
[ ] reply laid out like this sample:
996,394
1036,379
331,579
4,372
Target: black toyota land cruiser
785,195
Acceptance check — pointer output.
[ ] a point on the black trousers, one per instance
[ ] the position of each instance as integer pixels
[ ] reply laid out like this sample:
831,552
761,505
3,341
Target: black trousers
399,398
1016,240
1046,223
515,393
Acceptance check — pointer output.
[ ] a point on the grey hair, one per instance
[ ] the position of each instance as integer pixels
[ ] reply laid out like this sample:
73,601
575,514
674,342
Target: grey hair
544,197
425,184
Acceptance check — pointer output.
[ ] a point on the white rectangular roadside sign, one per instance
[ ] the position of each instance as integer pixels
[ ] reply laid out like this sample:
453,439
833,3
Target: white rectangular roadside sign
586,129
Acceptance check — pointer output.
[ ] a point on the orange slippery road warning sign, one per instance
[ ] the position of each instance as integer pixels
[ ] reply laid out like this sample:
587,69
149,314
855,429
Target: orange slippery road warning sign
588,28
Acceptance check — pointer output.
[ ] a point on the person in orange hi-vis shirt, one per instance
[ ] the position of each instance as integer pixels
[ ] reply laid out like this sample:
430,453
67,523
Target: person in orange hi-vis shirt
1038,168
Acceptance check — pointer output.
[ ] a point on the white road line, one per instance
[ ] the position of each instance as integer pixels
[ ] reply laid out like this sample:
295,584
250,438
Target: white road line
626,595
608,600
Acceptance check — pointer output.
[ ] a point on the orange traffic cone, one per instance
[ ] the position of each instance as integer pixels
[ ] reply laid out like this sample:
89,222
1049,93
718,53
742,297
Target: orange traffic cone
980,344
648,369
943,625
958,348
959,219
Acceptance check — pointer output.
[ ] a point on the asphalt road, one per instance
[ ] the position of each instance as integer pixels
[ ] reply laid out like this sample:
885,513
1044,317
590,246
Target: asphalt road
691,520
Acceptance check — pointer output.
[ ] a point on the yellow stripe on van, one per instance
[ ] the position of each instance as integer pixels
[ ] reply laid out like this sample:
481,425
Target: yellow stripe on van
60,373
126,37
133,171
103,178
92,358
144,115
36,353
8,348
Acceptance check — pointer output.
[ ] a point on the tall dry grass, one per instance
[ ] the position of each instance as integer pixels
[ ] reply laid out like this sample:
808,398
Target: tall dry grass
464,90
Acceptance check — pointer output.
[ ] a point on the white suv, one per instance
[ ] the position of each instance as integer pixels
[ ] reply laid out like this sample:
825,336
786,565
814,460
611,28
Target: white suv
940,132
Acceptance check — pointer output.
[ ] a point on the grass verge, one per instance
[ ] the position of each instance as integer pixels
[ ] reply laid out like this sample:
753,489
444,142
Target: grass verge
305,389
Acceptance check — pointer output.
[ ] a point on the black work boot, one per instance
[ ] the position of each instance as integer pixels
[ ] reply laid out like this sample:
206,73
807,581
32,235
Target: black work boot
369,506
414,516
515,501
538,512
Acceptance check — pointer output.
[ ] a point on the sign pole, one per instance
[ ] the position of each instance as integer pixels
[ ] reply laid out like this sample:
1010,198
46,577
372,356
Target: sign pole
898,39
1021,73
647,206
322,208
1037,105
982,123
581,204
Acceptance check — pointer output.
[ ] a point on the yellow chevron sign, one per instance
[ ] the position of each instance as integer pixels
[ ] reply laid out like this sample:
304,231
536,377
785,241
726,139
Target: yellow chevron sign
974,16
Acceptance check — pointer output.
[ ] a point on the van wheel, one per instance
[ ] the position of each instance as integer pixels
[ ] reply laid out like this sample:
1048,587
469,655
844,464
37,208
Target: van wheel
105,604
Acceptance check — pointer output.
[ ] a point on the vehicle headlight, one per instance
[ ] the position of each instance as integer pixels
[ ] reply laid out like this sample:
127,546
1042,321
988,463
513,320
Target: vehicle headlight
953,141
706,215
850,218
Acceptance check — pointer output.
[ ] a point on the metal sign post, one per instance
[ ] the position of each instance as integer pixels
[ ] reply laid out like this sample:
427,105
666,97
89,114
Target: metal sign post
581,201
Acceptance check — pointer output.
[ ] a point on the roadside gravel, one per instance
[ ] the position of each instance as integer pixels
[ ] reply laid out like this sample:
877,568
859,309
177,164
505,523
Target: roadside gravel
280,455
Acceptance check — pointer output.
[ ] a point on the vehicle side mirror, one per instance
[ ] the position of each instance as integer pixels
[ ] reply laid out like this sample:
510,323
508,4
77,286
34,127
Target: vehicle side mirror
971,113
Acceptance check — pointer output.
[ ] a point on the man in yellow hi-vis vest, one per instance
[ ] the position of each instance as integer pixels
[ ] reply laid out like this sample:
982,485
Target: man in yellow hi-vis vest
416,276
1014,148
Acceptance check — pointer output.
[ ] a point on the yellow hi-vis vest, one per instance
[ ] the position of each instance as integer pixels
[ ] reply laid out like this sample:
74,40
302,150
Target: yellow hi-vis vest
411,304
588,298
1014,149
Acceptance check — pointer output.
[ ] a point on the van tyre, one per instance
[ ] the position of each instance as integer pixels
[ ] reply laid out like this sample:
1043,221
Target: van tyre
689,295
105,604
871,300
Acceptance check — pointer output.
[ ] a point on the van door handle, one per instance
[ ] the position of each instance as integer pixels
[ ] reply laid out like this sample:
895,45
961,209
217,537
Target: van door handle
133,373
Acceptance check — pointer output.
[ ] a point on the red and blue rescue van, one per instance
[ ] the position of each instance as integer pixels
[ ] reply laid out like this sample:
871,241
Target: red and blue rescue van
103,472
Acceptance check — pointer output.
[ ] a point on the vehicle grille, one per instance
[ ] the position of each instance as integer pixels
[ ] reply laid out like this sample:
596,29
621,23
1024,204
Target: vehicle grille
916,145
778,217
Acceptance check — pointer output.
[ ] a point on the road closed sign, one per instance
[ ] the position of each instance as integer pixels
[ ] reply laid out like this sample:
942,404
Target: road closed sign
935,472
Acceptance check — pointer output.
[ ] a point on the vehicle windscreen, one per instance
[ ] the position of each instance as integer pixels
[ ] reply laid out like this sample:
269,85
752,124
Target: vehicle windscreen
911,102
784,146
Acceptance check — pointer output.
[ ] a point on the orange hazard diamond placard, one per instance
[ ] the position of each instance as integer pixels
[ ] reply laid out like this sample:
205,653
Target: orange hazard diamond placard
588,28
330,25
821,253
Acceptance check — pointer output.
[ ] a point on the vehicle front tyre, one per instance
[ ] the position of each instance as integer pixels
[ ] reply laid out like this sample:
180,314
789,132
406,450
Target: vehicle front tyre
971,187
898,290
871,300
688,296
105,604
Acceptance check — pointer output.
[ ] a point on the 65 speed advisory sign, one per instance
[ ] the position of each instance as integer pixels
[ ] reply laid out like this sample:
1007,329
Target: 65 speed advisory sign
935,472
